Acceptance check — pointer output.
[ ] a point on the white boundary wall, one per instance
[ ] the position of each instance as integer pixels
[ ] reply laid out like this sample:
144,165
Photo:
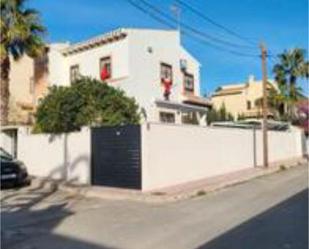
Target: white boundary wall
7,142
173,154
63,156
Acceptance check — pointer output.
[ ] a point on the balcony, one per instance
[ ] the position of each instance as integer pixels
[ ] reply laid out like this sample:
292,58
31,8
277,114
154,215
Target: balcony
256,113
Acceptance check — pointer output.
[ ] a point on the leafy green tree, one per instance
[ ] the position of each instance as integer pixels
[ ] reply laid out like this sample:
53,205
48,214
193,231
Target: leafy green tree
241,117
222,114
292,66
21,33
88,102
276,101
230,117
211,116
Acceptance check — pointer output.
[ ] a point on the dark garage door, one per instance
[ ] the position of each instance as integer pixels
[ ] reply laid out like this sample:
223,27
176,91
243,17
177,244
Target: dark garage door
116,156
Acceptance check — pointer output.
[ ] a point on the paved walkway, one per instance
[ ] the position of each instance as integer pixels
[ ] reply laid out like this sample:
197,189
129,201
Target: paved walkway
218,182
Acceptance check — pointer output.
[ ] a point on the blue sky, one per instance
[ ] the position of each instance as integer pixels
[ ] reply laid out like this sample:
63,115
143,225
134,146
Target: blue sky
281,24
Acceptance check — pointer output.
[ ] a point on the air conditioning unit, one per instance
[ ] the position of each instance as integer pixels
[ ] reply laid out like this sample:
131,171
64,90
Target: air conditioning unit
183,65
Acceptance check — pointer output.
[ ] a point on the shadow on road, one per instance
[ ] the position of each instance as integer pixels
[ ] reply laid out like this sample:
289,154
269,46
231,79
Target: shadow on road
29,216
284,226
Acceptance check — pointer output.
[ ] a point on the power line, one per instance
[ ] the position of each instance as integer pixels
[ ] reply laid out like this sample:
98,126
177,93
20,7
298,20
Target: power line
213,22
191,29
201,40
198,38
151,15
186,33
273,61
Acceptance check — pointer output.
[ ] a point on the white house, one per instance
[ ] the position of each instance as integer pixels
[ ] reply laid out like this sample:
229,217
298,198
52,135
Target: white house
146,63
142,62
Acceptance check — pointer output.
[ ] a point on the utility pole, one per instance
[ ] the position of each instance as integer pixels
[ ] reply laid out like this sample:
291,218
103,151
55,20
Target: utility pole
265,111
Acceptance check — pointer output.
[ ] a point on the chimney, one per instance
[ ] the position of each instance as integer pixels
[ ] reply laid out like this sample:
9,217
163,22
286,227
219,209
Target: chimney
251,78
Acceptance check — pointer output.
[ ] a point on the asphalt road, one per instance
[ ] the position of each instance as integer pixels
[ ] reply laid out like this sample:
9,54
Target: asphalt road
266,213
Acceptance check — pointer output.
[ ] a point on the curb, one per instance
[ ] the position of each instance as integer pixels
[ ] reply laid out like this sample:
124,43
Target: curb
259,173
161,196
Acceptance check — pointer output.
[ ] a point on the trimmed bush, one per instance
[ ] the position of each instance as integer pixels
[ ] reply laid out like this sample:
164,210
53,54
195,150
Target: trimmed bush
88,102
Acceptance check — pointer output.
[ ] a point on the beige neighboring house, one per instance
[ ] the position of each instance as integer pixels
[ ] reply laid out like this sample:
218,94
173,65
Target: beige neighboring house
242,99
27,85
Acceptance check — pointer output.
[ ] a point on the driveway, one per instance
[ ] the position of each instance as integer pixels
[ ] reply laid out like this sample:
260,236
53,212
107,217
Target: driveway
269,212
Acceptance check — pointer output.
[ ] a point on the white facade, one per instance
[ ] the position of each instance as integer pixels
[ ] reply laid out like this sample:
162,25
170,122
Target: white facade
136,56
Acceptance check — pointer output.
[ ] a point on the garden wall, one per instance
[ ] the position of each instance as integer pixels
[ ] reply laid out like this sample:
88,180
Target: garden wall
170,154
175,154
64,156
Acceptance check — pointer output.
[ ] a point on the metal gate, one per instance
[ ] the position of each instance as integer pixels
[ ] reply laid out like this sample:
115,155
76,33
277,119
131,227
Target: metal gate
116,156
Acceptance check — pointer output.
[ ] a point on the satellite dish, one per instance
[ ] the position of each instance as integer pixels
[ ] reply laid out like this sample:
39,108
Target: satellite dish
183,65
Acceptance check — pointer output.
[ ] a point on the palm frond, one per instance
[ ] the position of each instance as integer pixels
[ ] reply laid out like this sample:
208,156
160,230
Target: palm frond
21,28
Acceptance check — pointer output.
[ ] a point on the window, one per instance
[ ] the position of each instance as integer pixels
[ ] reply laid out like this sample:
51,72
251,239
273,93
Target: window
166,73
167,117
189,82
74,73
189,118
106,63
248,105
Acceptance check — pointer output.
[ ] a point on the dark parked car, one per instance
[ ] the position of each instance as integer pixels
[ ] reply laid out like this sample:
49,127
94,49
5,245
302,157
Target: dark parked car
13,172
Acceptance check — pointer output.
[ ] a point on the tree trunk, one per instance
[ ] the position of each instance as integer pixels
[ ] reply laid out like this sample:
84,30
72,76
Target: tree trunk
4,90
293,97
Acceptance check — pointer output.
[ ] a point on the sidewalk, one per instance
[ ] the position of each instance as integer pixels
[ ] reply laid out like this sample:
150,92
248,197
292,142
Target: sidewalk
216,183
179,192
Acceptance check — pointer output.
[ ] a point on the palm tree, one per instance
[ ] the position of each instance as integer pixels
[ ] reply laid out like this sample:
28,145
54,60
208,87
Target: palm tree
291,66
304,71
21,33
